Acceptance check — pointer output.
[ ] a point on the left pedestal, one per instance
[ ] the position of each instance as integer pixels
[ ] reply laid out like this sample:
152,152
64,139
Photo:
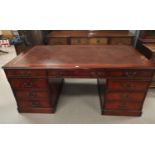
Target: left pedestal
34,92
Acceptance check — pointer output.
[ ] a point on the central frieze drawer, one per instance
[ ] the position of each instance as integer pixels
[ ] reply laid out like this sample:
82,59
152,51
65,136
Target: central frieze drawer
29,83
127,85
77,73
57,41
125,96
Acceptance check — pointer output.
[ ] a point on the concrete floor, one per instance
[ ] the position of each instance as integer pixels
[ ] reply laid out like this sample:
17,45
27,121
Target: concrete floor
78,103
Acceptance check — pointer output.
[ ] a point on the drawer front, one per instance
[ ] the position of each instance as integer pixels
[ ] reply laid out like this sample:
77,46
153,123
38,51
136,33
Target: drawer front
121,41
125,96
127,85
77,73
29,84
79,41
131,74
25,73
34,104
116,105
32,95
98,41
57,41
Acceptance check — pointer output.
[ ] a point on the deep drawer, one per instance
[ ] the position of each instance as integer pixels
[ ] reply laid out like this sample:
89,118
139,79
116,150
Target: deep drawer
127,85
116,105
34,104
25,73
29,83
125,96
32,95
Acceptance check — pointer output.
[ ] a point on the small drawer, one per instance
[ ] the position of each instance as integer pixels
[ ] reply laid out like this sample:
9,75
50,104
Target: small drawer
34,104
118,105
29,83
131,74
57,41
124,96
98,41
127,85
121,41
79,41
32,95
25,73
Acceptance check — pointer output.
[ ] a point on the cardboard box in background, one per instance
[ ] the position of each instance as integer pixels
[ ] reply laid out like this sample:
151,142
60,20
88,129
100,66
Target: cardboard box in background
7,34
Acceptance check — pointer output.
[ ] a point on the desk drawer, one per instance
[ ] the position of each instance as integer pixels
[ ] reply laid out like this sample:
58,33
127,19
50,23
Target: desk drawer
77,73
32,95
98,41
121,41
29,83
25,73
79,41
127,85
57,41
118,105
34,104
131,74
125,96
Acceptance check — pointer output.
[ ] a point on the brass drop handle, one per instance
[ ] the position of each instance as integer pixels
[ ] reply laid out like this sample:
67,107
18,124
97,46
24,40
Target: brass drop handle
124,96
130,74
32,94
126,85
35,104
28,84
122,106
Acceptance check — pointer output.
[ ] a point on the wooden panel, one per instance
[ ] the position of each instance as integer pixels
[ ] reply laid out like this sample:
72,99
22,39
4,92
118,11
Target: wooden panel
79,41
57,41
25,73
32,95
118,105
98,41
125,96
127,85
29,83
121,41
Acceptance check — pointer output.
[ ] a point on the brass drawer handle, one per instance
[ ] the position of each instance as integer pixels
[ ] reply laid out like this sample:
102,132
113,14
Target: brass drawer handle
35,104
27,85
32,94
130,74
122,106
126,85
124,96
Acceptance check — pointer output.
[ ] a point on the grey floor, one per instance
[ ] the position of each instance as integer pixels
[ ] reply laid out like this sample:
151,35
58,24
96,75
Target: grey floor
78,103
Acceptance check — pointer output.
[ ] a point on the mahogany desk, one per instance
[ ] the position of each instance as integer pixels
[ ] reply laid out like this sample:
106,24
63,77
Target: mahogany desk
36,76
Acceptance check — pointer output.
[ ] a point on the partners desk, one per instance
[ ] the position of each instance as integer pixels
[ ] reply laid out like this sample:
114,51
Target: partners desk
36,77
